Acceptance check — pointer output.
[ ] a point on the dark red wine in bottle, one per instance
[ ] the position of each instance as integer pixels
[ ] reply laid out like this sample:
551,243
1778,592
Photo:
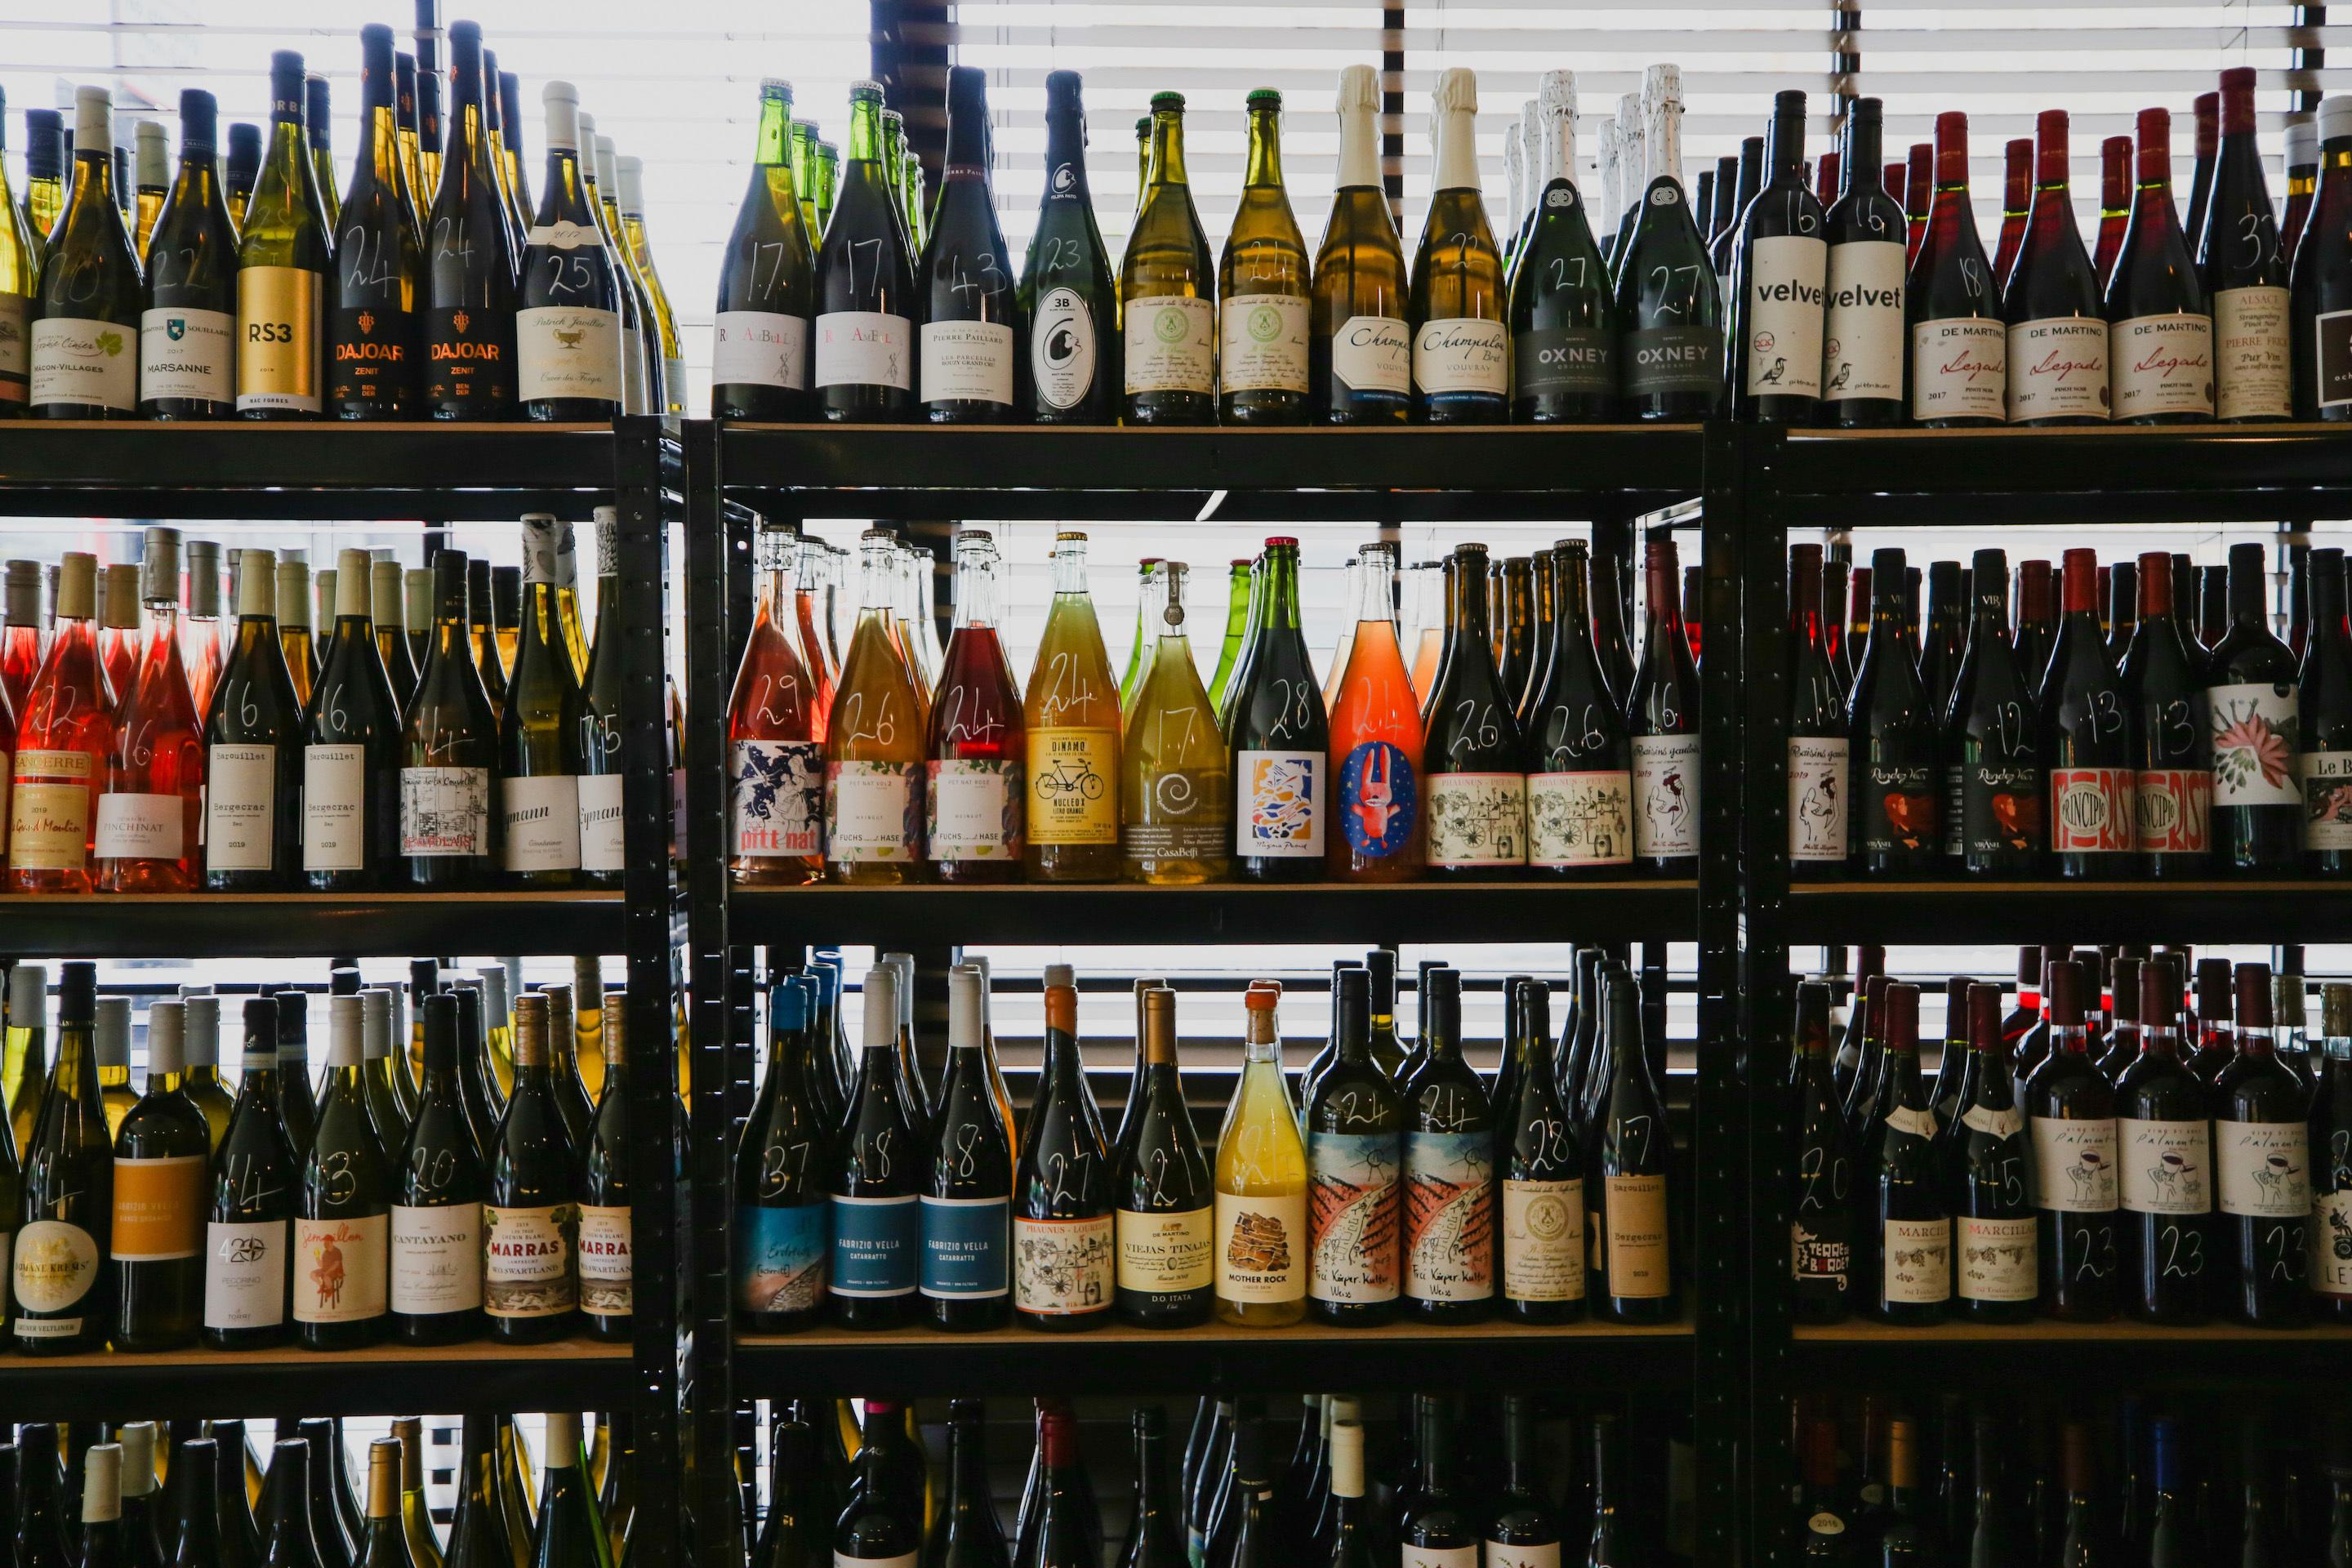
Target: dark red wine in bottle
2207,110
2016,194
2164,1152
2172,756
2320,293
2217,1038
1891,732
2115,206
2251,713
1905,1264
1988,1172
1992,743
2123,606
2086,738
1943,638
1854,629
1663,719
1821,1220
2324,704
1816,730
2159,332
2057,329
1862,332
1918,195
2331,1159
2243,271
1960,347
1723,246
1776,292
2071,1109
2037,619
2262,1154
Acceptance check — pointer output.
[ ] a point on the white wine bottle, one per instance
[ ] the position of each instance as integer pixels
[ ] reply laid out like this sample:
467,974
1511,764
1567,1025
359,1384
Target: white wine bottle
188,333
568,329
631,174
469,257
604,180
284,256
20,269
84,359
767,282
371,307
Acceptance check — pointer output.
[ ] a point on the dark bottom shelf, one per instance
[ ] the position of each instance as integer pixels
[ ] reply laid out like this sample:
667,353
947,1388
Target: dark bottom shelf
1862,1354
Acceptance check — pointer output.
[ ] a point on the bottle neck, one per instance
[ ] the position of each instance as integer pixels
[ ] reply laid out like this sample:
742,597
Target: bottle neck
1167,147
1265,165
1359,148
774,147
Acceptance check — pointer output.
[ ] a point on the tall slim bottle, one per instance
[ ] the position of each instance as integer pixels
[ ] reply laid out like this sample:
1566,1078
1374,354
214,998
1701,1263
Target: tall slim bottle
767,283
865,297
1862,332
1161,1187
569,363
1178,820
1071,708
65,733
542,726
450,752
1068,290
630,173
1261,1184
1958,343
1263,288
285,254
187,334
1670,307
976,751
966,1277
530,1208
1360,344
2057,347
248,1236
20,271
374,308
2244,269
969,346
2085,719
2159,330
1168,291
874,792
876,1225
1662,715
1459,308
471,290
88,303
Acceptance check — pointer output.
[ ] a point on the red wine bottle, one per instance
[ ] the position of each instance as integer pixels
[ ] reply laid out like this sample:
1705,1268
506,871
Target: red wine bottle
2086,738
2165,1158
2217,1043
2120,1049
1723,245
1853,627
2070,1108
1891,729
1943,638
1866,1089
2302,160
1960,347
1993,743
2172,755
2262,1157
2160,333
2016,194
2323,704
2239,261
1906,1224
1662,717
2123,606
1818,817
1862,332
2249,698
1951,1085
1918,195
1987,1174
2115,206
2320,295
2057,329
2331,1152
2037,619
1777,294
1820,1225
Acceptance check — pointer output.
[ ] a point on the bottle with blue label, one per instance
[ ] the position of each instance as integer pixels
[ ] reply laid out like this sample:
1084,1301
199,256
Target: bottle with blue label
782,1239
875,1177
965,1272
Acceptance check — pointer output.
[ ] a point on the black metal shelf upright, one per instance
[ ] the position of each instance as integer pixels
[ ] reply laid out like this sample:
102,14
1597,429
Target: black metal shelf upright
432,474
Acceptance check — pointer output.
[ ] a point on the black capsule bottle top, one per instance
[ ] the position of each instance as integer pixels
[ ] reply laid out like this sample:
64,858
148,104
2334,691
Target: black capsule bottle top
449,584
78,994
293,1017
199,122
288,98
440,1031
45,145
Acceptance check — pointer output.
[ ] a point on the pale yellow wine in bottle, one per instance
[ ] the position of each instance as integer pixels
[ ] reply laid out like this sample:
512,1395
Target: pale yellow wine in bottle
1175,799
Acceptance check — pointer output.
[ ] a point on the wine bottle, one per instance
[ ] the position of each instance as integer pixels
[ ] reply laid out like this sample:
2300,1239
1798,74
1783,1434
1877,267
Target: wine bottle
767,281
2160,337
64,736
567,1533
1723,240
874,741
530,1207
877,1231
2210,1012
1261,1184
2084,716
1821,1223
471,290
2331,1169
328,1534
1175,795
247,1223
189,1525
607,1247
2322,280
1905,1225
2070,1108
386,1108
155,1246
1628,1156
373,334
1280,738
1564,325
2171,741
477,1088
543,728
642,361
450,752
61,1284
1168,291
294,629
568,309
882,1523
971,321
1067,291
1376,740
966,1276
188,328
2256,729
1474,789
1263,288
1071,714
90,302
2262,1147
2244,269
20,271
1862,314
351,752
1662,713
285,254
479,1536
863,349
1817,765
1540,1167
964,1532
2164,1164
1919,192
1775,336
105,1540
781,1161
1063,1214
342,1206
435,1290
383,1542
2058,370
1438,1520
2017,183
1161,1188
1062,1529
977,742
1458,305
1354,1127
1960,363
1579,759
151,811
2324,707
1360,344
1891,728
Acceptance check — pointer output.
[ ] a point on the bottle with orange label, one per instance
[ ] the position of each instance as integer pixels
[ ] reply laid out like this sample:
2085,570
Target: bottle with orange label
156,1245
1071,708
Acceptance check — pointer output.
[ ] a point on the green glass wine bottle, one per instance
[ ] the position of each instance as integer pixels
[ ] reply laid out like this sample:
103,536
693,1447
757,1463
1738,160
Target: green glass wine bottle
568,327
437,1208
863,349
607,1273
1263,288
450,752
342,1207
1168,291
767,279
248,1226
530,1223
1461,331
374,306
187,336
351,752
284,255
781,1167
541,729
1280,739
1068,288
156,1246
253,749
60,1282
88,304
1359,343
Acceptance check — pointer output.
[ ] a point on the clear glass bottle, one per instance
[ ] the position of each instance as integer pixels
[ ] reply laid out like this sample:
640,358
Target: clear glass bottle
874,742
1261,1181
1174,798
1071,707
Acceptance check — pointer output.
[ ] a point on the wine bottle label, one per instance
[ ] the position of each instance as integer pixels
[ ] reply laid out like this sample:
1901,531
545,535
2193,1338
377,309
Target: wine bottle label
1564,362
1663,360
1787,277
280,312
1168,1252
1171,344
16,365
1380,800
1063,1267
561,235
760,348
334,808
2091,810
607,1278
1920,1121
445,811
49,811
567,351
1412,1556
1634,1216
904,1560
1816,1259
1449,1216
1960,369
1817,813
527,1267
2255,726
965,1253
2331,358
543,822
437,1258
972,810
1073,779
1580,819
2074,1164
779,1257
371,355
1918,1261
1353,1216
877,1247
240,808
470,360
1278,805
1666,795
1984,1119
340,1268
2173,810
245,1274
79,360
1462,353
1063,350
1374,353
2165,1168
159,1208
2266,1168
1862,330
1543,1241
864,348
1500,1554
778,797
1997,1259
967,362
601,842
1899,808
1262,342
2326,799
1204,840
1476,819
874,811
1262,1247
54,1263
187,353
2161,364
2331,1243
140,827
1992,808
2251,353
2058,368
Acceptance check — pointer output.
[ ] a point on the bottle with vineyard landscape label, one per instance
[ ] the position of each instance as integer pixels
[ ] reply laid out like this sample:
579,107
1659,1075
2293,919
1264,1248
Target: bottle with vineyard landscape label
976,748
1177,812
567,314
1578,757
1903,1221
2086,724
1662,715
2256,729
2262,1157
2244,269
874,742
1068,290
1260,1240
2071,1111
2164,1165
450,752
1072,718
781,1169
373,308
1355,1152
1959,349
1563,311
471,285
1064,1241
1862,331
1359,345
972,337
2172,754
1448,1175
767,281
2057,330
1459,308
150,816
1781,270
1168,291
1817,769
435,1290
2160,333
350,753
1263,288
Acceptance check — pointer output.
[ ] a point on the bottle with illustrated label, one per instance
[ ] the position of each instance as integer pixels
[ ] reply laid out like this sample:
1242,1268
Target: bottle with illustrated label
342,1204
1438,1527
1821,1223
2070,1111
1064,1241
2244,271
2262,1151
973,343
883,1522
1448,1175
873,795
2160,333
2324,711
1459,307
61,1284
2331,1157
375,312
1474,789
531,1213
1662,715
1894,785
767,281
188,333
1168,291
471,250
875,1177
435,1290
1261,1237
1780,273
1176,807
863,349
2256,731
977,747
1957,352
1359,343
1072,715
1354,1160
1670,307
1263,288
1904,1265
2086,723
1817,733
775,737
1992,741
2172,754
2320,296
1539,1168
542,729
156,1246
150,818
568,315
2164,1164
20,271
65,735
1376,740
781,1165
351,752
1069,292
1564,327
2057,332
285,258
88,303
249,1221
1863,311
1279,737
450,752
967,1273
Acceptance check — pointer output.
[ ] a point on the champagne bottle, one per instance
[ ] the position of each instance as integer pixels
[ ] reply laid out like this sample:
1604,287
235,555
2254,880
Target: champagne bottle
1263,288
1168,291
782,1163
1068,291
2160,335
863,358
966,1273
151,811
541,729
568,315
877,1243
155,1247
90,302
1863,336
970,341
1448,1173
61,1282
531,1213
188,333
1161,1187
342,1206
1473,784
1564,326
350,753
1958,343
767,282
449,746
1359,343
1462,337
1781,274
1670,308
253,756
285,254
373,330
607,1266
247,1225
435,1291
472,290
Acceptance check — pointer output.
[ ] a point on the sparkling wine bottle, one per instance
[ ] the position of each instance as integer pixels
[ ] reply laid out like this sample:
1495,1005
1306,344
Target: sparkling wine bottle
1263,278
1564,326
1462,336
1670,307
1359,343
1168,291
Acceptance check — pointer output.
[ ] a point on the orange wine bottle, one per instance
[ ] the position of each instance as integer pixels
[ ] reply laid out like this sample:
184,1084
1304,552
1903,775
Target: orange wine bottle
776,739
1376,741
149,815
874,740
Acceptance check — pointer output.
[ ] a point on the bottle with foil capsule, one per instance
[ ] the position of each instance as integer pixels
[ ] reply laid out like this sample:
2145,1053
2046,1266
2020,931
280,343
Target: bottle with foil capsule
2057,330
65,734
471,290
767,280
2262,1156
1628,1167
775,737
2159,330
1263,278
2172,751
150,816
1376,749
1818,817
1280,738
972,333
1168,291
1670,305
1563,311
1539,1176
374,310
88,305
1779,287
187,336
1960,347
1360,344
2256,729
1662,715
568,315
2085,721
1862,332
285,253
1064,1223
2071,1113
1894,788
1459,308
1475,792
